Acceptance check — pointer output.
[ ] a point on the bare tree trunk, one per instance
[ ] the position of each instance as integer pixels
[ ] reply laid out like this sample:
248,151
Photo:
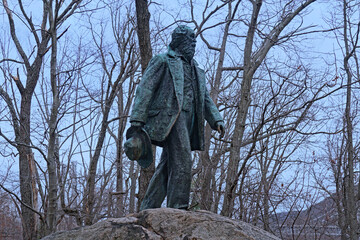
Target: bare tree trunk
120,207
89,203
27,193
242,113
219,190
349,200
338,199
123,111
266,207
143,32
52,154
133,177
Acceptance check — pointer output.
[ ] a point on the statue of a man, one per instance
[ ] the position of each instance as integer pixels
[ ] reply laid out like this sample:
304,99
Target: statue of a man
171,104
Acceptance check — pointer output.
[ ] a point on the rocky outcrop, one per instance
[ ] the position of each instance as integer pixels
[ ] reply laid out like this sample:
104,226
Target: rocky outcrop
167,224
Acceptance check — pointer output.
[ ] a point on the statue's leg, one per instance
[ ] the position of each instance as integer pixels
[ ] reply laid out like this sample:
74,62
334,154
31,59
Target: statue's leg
180,163
156,191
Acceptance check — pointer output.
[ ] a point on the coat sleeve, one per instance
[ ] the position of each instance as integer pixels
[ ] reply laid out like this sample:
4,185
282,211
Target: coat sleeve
212,114
145,90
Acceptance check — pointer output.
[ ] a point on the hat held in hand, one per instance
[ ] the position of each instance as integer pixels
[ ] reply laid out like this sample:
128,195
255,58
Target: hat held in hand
137,147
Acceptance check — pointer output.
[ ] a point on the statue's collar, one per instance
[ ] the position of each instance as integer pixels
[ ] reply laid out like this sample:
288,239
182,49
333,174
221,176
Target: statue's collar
174,54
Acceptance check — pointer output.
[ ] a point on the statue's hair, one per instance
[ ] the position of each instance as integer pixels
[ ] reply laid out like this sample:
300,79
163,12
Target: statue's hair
178,35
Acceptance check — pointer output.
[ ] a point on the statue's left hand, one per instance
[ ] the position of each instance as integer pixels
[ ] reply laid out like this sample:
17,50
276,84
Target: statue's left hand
220,128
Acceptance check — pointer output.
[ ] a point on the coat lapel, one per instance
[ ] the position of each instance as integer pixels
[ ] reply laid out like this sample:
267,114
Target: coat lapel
177,73
200,74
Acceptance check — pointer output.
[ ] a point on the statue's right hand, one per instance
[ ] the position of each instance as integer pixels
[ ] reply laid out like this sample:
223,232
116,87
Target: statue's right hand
136,126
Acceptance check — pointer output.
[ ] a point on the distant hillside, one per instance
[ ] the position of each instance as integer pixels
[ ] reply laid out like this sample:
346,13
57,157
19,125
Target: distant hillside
317,222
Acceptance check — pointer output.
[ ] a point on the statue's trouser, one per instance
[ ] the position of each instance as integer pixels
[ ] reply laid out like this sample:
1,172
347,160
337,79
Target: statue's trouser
172,177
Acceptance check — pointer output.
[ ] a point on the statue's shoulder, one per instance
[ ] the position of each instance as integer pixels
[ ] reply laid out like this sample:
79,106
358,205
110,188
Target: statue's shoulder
159,58
162,55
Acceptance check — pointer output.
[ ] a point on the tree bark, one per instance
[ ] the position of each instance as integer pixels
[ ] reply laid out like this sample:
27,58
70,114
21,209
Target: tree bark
52,154
143,33
133,176
120,208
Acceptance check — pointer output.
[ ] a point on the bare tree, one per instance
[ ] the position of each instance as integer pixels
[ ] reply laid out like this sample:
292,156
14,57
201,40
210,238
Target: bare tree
351,225
252,60
113,83
21,118
342,149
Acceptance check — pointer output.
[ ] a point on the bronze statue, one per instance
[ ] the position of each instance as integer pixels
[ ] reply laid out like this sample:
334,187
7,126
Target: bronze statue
171,104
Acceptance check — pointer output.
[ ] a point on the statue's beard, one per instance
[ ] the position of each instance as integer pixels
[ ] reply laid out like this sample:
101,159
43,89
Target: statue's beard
188,52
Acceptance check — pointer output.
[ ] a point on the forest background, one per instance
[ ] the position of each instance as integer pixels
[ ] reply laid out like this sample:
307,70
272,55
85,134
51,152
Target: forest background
284,74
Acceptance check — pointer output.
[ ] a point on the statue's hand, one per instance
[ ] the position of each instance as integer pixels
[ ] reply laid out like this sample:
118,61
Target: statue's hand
136,126
220,128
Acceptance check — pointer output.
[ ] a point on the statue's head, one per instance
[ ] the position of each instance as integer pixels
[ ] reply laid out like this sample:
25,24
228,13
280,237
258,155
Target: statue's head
183,41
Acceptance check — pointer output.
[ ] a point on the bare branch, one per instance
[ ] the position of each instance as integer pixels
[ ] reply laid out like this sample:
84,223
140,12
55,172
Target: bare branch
14,37
12,110
10,60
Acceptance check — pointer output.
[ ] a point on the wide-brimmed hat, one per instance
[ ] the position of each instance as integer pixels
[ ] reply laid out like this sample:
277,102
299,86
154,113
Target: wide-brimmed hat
138,146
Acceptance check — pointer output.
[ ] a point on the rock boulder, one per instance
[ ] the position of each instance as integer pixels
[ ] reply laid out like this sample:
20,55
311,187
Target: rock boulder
167,224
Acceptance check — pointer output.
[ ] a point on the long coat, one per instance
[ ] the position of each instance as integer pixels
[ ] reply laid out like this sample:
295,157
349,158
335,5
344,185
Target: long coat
159,99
